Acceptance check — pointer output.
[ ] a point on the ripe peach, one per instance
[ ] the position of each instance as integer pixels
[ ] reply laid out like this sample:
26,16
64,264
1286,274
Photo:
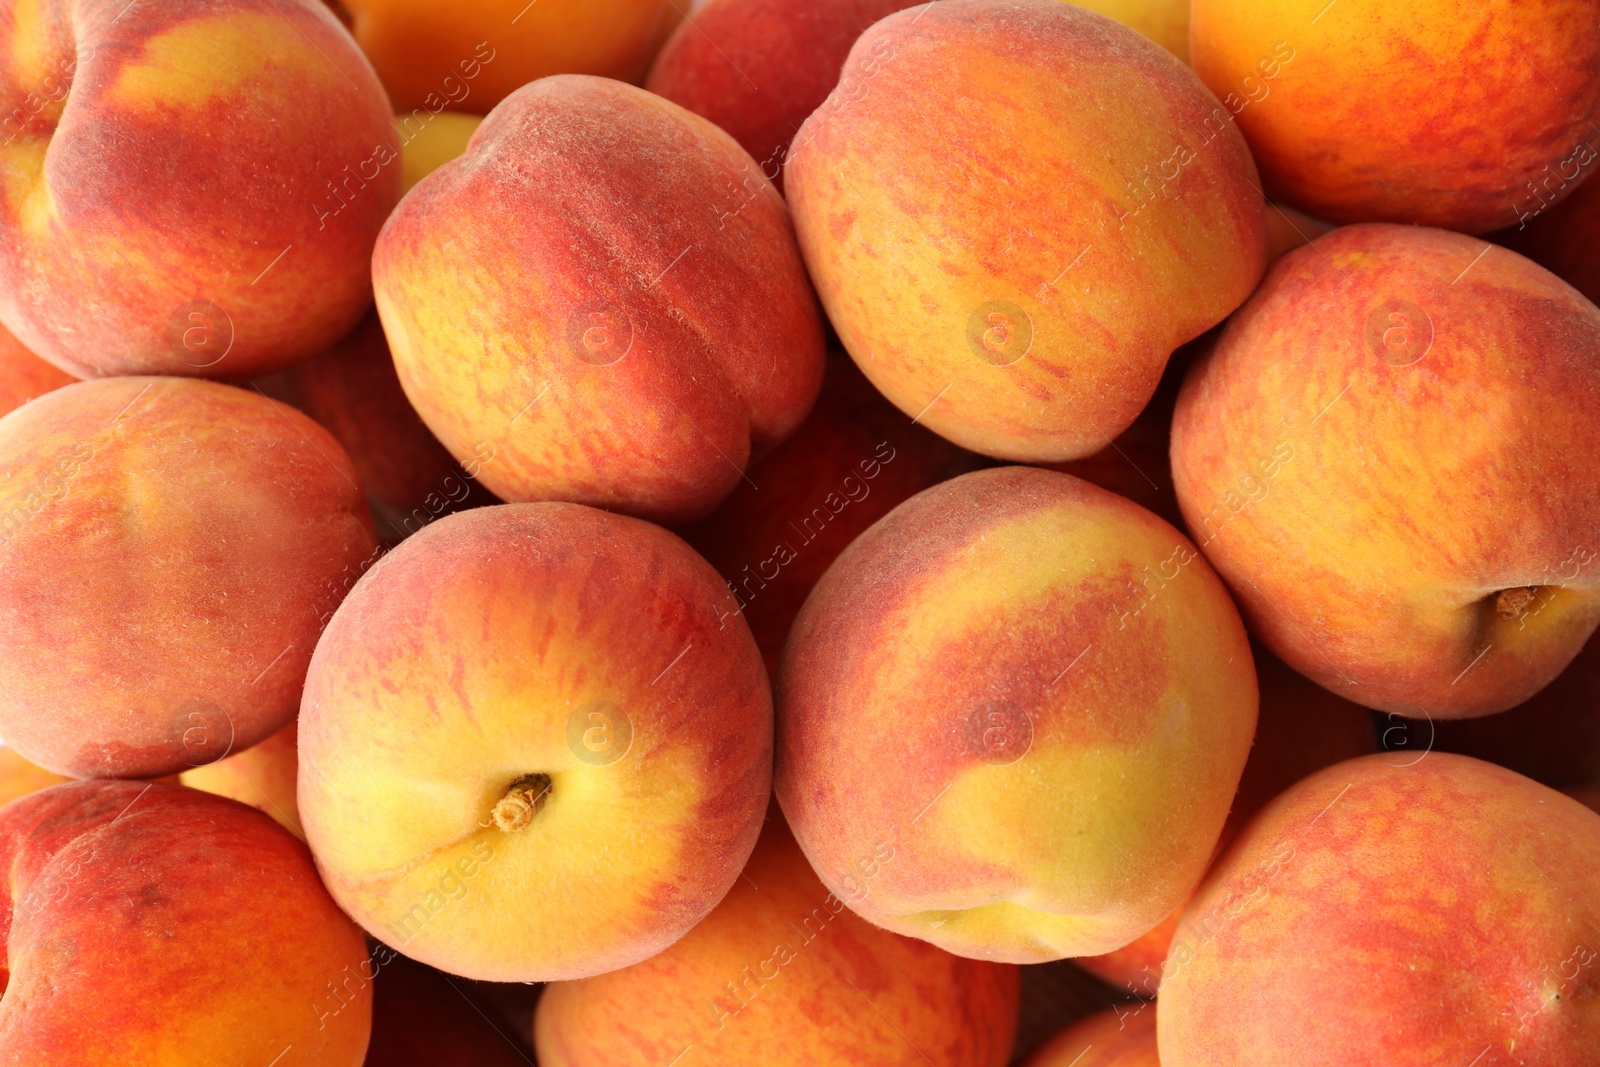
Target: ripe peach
1438,114
151,924
782,973
24,375
1395,913
429,141
1084,702
759,68
187,188
471,57
592,293
528,749
1385,456
262,776
1166,22
169,550
1110,1039
852,461
1023,303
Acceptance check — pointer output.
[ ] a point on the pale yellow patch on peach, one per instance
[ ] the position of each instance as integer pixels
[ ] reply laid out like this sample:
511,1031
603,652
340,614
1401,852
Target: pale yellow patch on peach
206,59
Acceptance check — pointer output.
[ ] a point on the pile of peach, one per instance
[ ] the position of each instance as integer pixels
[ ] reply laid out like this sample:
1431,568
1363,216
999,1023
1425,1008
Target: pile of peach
776,524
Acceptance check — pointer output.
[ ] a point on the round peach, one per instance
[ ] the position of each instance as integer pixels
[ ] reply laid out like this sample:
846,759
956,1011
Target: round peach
1385,456
535,744
188,188
1037,695
605,295
169,551
1013,270
1465,116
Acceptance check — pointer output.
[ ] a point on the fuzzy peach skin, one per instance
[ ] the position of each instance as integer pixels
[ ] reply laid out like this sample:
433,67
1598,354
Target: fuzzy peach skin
1110,1039
1288,229
1038,695
1386,458
154,926
190,187
605,293
1166,22
18,777
262,776
409,477
1564,238
1440,114
24,375
1301,729
852,461
759,68
1015,271
433,56
1385,912
561,655
169,551
782,973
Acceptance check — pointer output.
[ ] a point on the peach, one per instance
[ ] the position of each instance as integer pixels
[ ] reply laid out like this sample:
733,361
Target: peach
428,142
1301,729
1288,229
1105,1040
471,57
759,68
262,776
409,477
852,461
1064,693
782,973
150,924
169,550
18,777
1563,238
24,375
606,293
1166,22
187,188
1023,303
1385,457
1384,913
531,747
1437,114
421,1017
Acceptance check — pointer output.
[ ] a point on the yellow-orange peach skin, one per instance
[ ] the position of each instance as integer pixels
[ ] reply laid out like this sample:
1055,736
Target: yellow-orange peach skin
1466,116
187,188
469,57
1038,695
1166,22
169,551
1394,912
605,293
783,974
1386,457
1015,271
152,924
535,744
24,375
